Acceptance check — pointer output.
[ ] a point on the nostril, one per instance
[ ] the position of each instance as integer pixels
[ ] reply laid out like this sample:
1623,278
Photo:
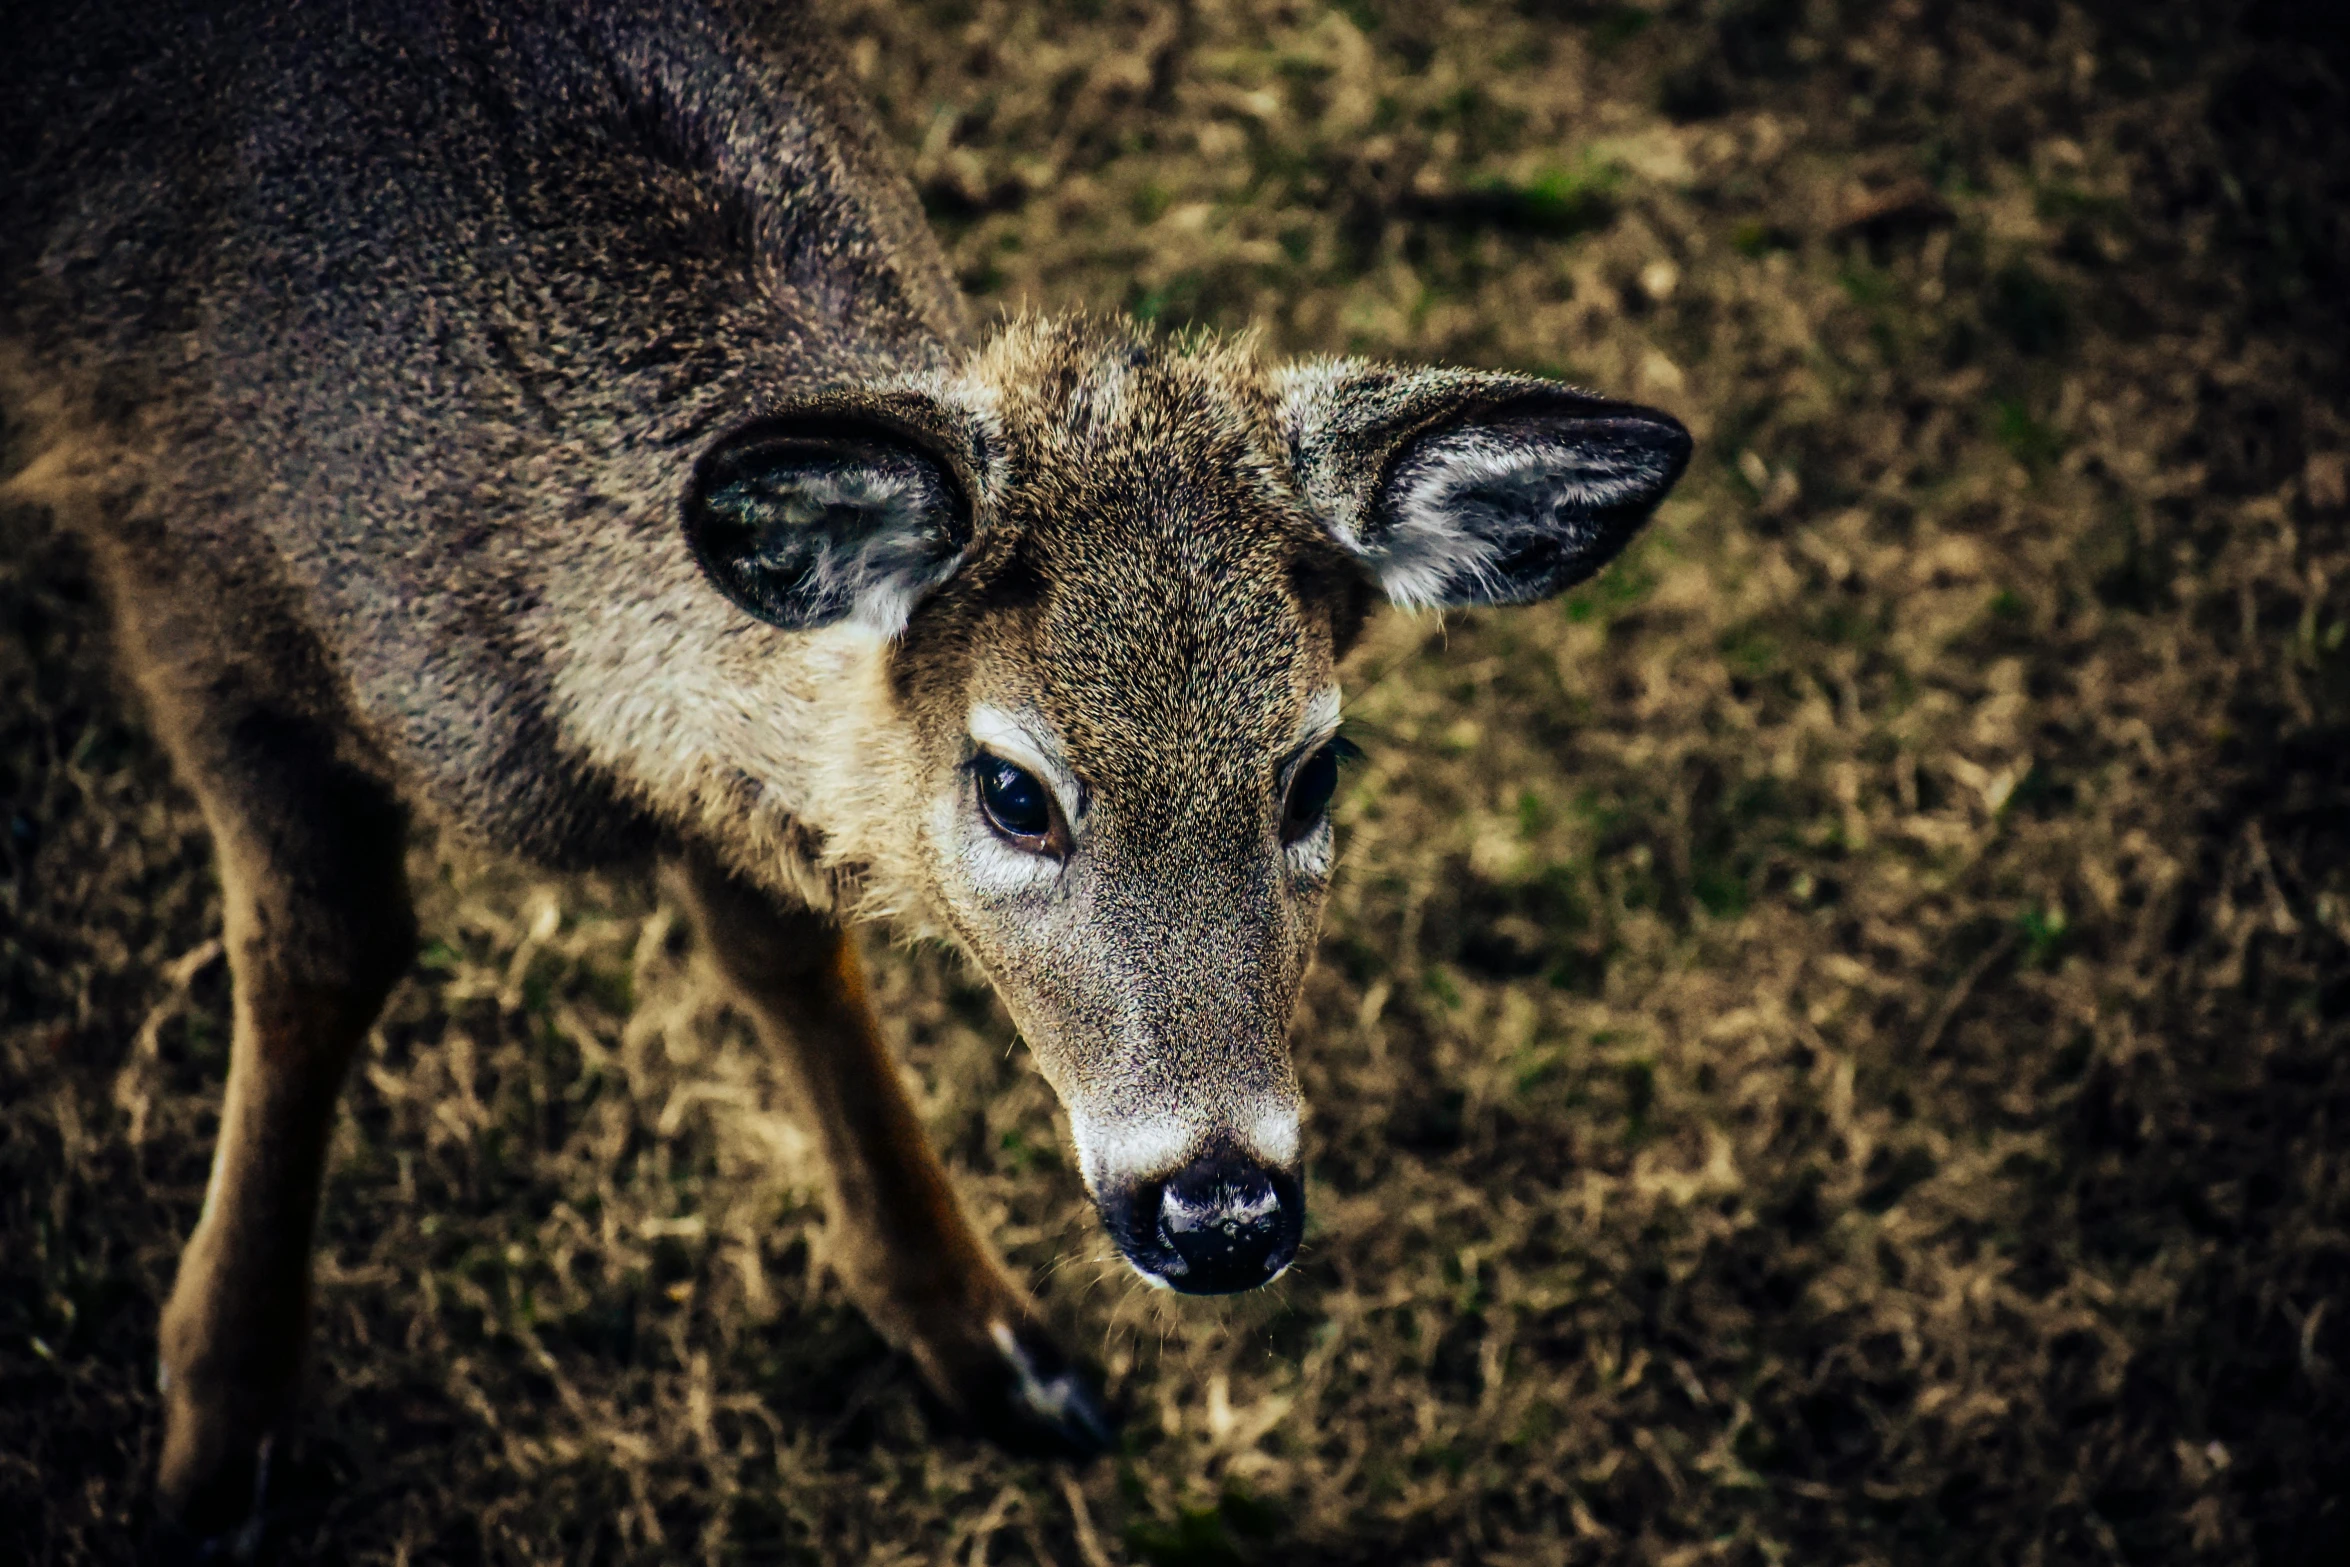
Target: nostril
1232,1202
1230,1223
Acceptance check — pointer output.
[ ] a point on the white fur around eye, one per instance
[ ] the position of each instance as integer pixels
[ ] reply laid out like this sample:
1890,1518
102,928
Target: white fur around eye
1321,719
994,869
991,867
979,860
1309,857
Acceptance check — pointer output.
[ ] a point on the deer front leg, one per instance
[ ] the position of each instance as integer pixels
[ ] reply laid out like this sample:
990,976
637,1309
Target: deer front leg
899,1239
318,929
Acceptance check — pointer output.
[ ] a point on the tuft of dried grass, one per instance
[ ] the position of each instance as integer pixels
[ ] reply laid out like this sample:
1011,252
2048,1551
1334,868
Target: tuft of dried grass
1829,1040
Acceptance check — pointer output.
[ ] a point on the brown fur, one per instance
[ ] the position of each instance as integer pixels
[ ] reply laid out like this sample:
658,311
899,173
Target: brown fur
379,354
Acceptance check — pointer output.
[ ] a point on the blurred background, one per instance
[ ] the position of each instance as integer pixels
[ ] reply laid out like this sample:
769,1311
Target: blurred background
1829,1040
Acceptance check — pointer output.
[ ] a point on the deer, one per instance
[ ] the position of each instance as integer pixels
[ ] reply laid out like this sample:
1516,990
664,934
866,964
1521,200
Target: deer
553,423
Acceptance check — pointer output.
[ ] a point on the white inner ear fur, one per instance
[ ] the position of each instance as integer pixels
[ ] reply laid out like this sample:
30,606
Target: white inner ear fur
1460,498
893,565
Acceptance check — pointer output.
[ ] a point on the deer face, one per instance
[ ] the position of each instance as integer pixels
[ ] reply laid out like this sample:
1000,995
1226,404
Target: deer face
1120,575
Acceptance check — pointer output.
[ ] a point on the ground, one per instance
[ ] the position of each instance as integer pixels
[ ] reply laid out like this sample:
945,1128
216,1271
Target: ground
1829,1044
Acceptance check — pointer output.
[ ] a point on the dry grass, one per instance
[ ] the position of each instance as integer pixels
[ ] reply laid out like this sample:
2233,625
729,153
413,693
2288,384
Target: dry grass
1829,1046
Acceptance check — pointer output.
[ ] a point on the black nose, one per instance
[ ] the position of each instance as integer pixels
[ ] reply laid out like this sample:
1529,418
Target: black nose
1223,1224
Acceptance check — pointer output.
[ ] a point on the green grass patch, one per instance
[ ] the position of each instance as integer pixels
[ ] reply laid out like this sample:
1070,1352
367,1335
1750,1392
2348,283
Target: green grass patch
2023,436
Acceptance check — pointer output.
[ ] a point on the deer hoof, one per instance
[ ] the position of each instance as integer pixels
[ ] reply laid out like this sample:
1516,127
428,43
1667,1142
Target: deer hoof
224,1522
1034,1399
171,1544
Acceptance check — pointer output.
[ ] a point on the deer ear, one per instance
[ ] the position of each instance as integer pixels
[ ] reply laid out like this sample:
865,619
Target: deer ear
804,524
1459,487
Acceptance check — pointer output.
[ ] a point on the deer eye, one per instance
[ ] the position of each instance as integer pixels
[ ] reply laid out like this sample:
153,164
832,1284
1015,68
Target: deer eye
1310,790
1015,804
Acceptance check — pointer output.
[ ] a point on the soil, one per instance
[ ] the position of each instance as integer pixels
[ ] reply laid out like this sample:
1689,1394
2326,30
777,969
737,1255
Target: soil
1829,1042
